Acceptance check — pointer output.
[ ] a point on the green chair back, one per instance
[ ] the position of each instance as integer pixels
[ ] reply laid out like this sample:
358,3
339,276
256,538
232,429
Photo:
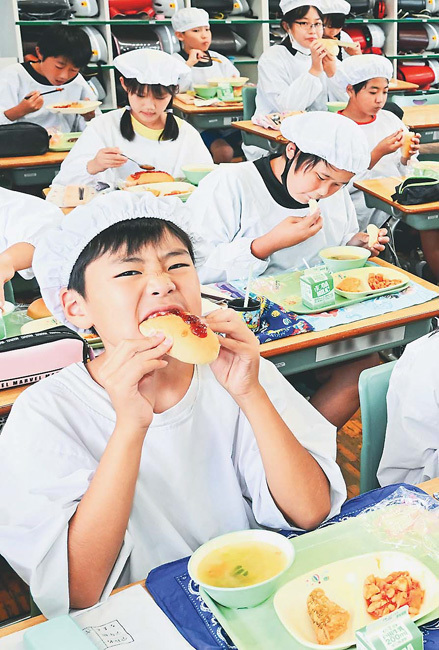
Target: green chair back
373,385
248,101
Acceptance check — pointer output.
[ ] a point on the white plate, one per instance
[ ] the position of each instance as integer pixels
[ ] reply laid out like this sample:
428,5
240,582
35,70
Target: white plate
39,325
233,81
85,107
343,583
166,189
7,308
363,274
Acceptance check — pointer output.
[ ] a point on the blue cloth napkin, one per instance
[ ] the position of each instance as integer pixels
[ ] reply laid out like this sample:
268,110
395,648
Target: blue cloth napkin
177,595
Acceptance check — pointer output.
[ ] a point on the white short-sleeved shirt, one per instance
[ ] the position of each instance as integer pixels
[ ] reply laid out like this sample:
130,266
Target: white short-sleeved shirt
23,218
232,206
201,474
19,79
104,131
385,123
411,449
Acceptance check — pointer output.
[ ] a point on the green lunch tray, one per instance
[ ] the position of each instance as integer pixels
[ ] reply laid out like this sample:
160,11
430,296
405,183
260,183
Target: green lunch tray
284,290
66,141
259,628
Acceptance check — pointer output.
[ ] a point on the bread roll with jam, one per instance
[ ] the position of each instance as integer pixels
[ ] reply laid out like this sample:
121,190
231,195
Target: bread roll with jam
142,178
194,342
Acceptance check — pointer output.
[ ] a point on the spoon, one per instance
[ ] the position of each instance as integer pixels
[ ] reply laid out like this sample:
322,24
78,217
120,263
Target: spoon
147,168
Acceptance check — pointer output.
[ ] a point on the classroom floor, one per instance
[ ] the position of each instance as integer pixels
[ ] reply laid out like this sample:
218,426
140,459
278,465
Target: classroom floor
14,593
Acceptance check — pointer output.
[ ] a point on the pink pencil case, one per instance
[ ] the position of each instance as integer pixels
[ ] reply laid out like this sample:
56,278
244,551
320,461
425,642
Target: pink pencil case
28,358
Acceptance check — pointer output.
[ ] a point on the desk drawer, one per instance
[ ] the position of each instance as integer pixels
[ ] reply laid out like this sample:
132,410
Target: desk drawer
41,175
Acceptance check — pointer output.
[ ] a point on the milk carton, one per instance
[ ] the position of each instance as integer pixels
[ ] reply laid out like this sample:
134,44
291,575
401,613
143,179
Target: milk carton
396,631
317,287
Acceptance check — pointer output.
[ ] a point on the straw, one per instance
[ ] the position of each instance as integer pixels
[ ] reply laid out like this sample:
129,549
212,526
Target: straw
306,263
247,291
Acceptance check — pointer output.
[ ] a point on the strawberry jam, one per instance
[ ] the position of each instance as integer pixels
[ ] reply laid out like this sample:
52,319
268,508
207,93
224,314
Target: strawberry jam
196,326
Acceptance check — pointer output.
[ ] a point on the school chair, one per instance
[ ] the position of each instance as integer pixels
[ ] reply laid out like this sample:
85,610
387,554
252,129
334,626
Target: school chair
249,108
372,386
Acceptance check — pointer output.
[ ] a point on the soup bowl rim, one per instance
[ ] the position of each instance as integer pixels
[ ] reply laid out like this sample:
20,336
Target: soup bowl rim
281,542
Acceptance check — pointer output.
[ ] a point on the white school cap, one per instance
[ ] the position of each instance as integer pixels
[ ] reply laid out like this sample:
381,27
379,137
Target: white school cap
151,67
289,5
335,7
368,66
335,138
189,18
58,250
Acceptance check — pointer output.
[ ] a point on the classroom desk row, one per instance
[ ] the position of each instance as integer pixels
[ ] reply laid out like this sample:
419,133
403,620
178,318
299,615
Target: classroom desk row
431,487
308,351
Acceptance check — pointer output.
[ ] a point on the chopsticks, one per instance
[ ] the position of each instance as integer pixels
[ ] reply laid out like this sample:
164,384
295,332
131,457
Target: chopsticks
57,90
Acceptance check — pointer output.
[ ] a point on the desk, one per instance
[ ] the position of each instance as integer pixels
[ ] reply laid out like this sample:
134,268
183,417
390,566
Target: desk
268,139
423,119
296,354
32,170
398,86
430,487
208,117
378,194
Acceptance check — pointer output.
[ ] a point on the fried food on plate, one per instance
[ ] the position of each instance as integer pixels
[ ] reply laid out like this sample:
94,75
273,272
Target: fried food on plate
329,620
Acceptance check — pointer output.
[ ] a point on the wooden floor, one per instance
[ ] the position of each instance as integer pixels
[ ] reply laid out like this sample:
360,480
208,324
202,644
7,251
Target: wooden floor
14,594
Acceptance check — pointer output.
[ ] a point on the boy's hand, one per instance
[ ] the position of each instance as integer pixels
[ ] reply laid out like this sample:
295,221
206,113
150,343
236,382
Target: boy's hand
128,375
7,272
362,239
237,365
318,53
33,103
289,232
414,147
354,50
391,143
329,63
106,158
195,56
91,114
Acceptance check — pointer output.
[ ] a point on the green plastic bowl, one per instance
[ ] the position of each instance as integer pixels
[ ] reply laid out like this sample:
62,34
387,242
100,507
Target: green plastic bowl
195,173
334,107
238,597
206,92
361,257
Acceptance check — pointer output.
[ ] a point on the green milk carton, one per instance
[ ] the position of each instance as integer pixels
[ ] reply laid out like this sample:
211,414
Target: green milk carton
396,631
317,287
225,92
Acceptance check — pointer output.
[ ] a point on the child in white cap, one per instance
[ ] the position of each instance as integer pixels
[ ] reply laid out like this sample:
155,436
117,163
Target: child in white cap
299,73
334,16
257,214
192,28
366,79
23,219
110,469
145,130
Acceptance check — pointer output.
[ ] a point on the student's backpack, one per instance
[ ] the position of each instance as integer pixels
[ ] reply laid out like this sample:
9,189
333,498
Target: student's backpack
28,358
44,9
417,190
23,139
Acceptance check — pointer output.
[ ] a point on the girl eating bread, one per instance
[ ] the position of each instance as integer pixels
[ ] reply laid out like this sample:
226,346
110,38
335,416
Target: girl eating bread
145,456
146,130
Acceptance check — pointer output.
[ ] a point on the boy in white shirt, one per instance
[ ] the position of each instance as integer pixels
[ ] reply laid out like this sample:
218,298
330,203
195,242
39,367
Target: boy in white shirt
366,78
136,459
62,52
23,219
192,28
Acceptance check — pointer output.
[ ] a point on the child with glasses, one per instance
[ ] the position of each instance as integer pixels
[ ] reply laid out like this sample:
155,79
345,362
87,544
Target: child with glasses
299,73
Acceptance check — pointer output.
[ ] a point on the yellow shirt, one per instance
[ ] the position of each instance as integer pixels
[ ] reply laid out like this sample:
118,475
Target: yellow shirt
146,132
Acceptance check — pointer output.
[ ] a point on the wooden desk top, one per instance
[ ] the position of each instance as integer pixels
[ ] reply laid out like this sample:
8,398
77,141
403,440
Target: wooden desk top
430,487
398,84
190,109
383,188
315,339
268,134
421,117
49,158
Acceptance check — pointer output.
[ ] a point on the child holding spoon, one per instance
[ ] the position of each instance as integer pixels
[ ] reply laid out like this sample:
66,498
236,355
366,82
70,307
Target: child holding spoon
191,26
145,130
